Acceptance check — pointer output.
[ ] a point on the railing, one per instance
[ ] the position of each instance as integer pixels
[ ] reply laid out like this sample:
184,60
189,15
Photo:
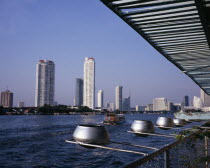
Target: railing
190,152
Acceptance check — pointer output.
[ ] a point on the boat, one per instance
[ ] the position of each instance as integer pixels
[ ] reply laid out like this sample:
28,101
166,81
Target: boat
114,119
192,115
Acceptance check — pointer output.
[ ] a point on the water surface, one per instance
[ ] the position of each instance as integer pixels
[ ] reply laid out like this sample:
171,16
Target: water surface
37,141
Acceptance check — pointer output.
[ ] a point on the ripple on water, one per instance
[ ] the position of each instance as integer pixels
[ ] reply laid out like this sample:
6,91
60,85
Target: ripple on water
38,142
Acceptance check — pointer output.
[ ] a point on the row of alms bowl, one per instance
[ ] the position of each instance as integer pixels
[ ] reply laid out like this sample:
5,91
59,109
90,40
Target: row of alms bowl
98,134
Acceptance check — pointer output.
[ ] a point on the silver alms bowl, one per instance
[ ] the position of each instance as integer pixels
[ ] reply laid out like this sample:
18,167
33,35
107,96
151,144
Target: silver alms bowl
164,122
91,134
179,122
142,126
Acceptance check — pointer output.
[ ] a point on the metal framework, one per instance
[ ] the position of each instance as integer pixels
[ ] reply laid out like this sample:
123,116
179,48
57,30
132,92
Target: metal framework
178,29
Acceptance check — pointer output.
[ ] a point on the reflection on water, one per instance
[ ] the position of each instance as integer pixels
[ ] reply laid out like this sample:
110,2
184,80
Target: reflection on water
38,141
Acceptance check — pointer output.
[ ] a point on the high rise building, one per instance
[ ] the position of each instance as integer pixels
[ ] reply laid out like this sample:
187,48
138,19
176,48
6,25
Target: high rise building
45,83
89,83
205,99
100,98
186,101
21,104
126,104
79,92
118,97
159,104
197,102
7,99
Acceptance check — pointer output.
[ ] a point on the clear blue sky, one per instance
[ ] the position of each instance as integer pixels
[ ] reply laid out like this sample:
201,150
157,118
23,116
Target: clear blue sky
66,32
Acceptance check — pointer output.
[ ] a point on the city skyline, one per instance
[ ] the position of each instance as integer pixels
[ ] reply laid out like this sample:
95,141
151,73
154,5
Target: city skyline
72,33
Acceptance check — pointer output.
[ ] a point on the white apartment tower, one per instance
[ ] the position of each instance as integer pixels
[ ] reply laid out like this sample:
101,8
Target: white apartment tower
100,98
197,102
45,83
89,83
159,104
205,99
118,97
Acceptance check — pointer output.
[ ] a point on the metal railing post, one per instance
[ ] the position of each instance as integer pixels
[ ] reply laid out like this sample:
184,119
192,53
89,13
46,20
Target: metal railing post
166,159
206,150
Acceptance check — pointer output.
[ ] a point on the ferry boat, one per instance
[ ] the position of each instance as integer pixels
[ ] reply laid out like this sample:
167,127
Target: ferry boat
114,119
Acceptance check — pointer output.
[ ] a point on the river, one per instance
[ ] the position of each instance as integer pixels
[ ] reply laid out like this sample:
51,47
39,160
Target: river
37,141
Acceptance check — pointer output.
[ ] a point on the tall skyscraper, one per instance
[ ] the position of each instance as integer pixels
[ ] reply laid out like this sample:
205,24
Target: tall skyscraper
79,92
118,97
100,98
45,83
89,83
7,99
205,99
186,101
159,104
126,104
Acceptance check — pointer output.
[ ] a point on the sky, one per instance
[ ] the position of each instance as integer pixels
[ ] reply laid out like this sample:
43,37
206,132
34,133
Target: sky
66,32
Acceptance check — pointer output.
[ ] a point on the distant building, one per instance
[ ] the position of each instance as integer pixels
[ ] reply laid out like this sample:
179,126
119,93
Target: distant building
149,107
159,104
170,106
21,104
177,106
205,99
55,103
45,83
118,97
78,101
110,106
89,83
186,101
126,104
141,108
7,99
206,109
100,98
197,102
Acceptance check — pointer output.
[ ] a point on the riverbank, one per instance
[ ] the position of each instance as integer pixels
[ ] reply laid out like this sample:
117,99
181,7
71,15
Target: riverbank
85,113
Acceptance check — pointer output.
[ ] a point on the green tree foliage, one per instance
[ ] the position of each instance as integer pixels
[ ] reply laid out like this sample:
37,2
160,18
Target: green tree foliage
48,109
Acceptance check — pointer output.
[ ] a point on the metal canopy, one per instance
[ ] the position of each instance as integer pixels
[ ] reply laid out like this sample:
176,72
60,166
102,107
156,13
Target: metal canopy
178,29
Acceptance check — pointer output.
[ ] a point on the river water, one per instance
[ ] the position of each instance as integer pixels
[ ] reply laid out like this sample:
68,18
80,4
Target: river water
37,141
